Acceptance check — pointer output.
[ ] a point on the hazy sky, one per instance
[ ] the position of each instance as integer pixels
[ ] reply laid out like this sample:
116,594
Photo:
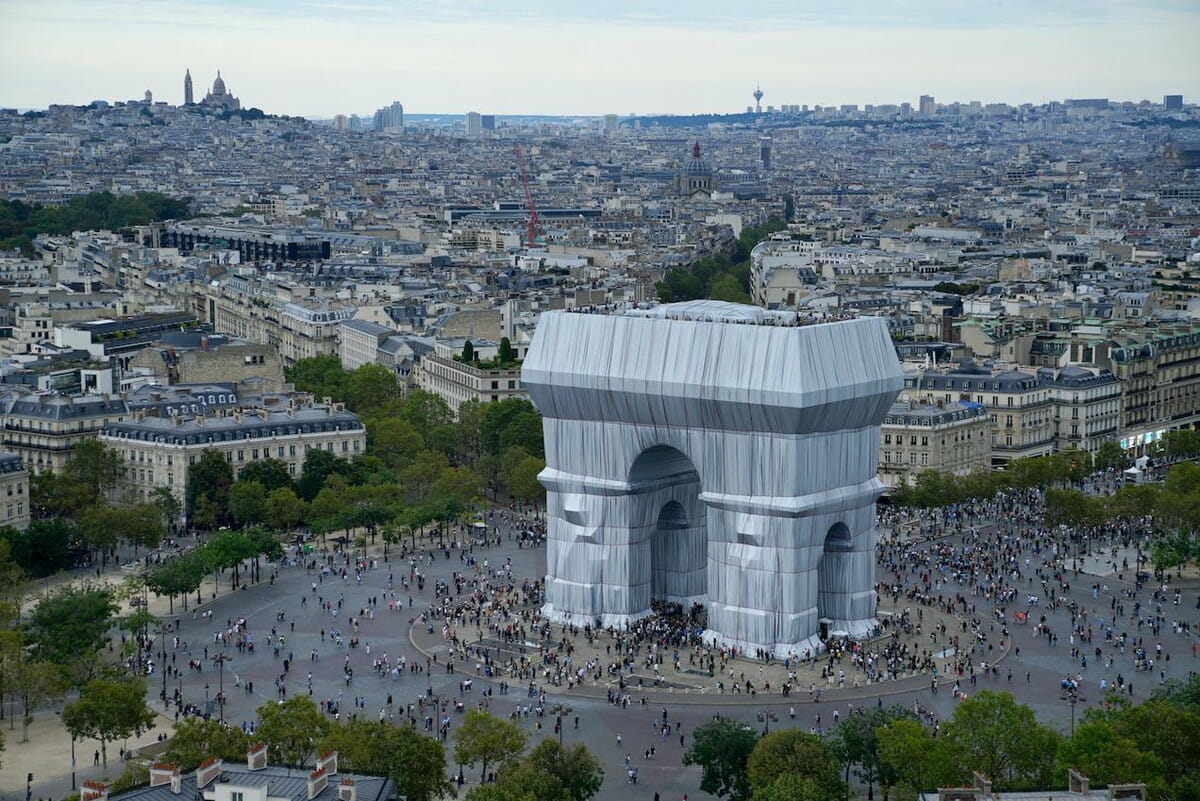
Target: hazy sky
322,57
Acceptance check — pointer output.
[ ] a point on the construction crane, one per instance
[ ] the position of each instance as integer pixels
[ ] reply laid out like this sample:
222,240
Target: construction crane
531,228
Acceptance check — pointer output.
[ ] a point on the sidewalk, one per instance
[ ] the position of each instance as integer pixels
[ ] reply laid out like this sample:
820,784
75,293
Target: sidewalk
47,755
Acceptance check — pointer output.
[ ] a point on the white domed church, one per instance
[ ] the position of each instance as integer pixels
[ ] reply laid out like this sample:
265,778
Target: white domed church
219,96
697,177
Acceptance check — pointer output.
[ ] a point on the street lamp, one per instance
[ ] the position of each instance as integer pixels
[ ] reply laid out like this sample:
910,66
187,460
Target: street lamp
162,660
766,717
1072,699
72,761
221,659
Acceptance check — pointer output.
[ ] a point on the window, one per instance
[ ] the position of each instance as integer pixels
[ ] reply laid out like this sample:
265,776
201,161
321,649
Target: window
924,458
924,442
236,796
291,468
291,450
912,458
887,457
887,439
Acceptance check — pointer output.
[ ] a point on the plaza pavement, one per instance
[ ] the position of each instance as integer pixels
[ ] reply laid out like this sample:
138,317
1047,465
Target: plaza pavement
609,731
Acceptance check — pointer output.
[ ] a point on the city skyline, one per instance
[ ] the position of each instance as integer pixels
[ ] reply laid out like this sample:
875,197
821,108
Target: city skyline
319,59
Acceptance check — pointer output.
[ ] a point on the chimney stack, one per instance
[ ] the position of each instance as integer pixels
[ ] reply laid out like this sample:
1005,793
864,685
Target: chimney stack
328,762
94,791
1077,782
256,757
166,773
347,791
209,769
317,782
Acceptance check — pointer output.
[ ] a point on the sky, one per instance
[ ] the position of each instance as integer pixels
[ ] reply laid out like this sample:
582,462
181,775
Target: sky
318,58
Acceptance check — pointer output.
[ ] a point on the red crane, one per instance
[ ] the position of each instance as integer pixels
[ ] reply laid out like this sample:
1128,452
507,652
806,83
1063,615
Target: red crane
531,228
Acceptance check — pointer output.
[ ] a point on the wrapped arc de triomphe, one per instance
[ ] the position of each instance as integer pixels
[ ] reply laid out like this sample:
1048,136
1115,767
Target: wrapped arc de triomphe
713,453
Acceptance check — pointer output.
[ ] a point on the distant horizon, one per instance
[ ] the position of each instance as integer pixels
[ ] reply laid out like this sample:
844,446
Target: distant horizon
320,58
366,116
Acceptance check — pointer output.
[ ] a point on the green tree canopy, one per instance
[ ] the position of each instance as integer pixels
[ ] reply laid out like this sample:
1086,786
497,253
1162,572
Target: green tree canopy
247,502
210,477
292,730
271,473
992,733
68,626
107,710
487,740
196,739
722,749
414,762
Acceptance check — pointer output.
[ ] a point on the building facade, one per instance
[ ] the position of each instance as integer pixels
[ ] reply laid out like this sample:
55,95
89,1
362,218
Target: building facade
954,437
458,382
1087,406
1019,405
43,429
14,491
158,450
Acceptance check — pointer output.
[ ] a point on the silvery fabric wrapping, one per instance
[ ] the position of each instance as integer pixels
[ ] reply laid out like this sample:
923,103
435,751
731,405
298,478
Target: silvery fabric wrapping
698,454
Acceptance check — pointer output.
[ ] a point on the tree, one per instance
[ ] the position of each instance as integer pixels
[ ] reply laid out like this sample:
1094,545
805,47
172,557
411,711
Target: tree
97,466
211,476
415,763
574,766
178,576
994,734
319,465
505,355
499,416
70,625
1171,734
271,473
1105,757
424,410
468,352
247,502
283,510
167,504
1110,456
292,730
42,549
486,739
323,376
393,440
33,683
919,762
107,710
142,525
795,752
523,481
370,388
1070,507
196,739
722,748
855,742
100,525
794,787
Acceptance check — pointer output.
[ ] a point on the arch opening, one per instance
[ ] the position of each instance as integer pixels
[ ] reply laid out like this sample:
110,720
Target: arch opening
675,521
833,601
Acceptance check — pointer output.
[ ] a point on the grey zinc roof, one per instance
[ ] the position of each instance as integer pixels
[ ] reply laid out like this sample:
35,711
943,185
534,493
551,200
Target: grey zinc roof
10,462
281,783
366,327
190,431
58,407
